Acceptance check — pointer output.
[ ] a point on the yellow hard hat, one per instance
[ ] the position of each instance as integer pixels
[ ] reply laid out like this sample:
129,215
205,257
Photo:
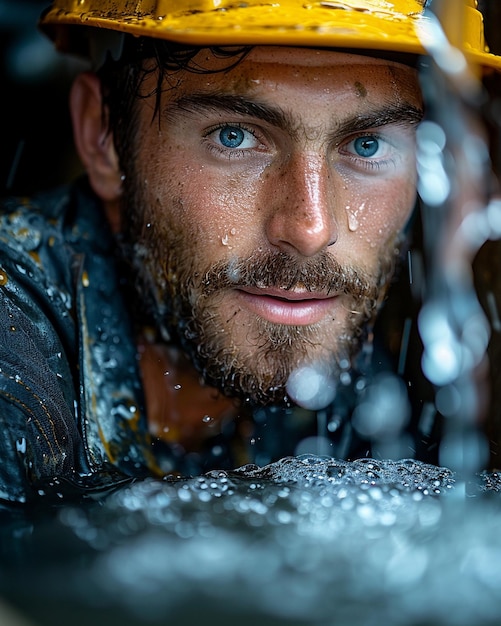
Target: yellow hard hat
384,25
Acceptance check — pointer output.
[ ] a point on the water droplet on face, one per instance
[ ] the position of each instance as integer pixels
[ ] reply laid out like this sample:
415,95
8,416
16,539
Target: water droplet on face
224,240
207,419
352,222
353,217
233,271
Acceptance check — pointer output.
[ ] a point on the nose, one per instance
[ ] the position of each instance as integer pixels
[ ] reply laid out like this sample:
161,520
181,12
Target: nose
302,217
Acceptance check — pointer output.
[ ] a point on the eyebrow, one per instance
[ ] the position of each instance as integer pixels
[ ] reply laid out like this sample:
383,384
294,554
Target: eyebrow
402,113
230,103
203,102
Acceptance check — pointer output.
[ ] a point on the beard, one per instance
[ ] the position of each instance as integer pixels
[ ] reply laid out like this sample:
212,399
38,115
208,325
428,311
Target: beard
184,297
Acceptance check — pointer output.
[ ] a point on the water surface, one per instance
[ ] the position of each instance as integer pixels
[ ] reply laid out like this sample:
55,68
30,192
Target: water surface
305,540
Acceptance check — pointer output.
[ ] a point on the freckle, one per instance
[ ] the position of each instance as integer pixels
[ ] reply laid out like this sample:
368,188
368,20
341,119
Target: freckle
360,90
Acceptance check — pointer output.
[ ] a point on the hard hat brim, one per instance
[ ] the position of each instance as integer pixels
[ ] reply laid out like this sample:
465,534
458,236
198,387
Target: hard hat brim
323,24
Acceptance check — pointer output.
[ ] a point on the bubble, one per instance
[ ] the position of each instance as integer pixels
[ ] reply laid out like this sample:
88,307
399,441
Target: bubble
441,362
441,359
448,400
312,386
433,185
466,451
385,409
320,446
494,217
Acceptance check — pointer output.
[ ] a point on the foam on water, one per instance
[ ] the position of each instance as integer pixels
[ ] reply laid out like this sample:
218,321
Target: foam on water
302,541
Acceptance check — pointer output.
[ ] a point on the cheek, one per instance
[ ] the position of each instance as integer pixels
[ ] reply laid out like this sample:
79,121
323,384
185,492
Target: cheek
199,206
375,215
225,207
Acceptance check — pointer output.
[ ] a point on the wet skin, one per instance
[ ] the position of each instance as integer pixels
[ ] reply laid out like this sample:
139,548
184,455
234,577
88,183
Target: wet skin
306,154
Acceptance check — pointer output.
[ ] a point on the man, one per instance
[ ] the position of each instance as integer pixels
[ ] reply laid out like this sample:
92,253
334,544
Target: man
250,172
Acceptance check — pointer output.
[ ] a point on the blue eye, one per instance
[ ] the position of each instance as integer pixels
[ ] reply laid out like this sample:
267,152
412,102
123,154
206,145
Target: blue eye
366,146
231,136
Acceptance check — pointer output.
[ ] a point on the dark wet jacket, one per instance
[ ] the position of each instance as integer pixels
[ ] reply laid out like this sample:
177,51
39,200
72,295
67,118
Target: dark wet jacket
71,402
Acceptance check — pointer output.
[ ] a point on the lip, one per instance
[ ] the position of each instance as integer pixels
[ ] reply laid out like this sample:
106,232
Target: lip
293,308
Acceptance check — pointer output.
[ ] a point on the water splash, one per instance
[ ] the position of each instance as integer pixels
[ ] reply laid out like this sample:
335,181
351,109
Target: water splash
453,171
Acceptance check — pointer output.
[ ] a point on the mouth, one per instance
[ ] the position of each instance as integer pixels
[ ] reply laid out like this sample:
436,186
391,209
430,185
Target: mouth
293,308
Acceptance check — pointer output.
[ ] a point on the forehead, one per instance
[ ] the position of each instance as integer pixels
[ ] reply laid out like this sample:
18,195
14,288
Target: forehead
273,69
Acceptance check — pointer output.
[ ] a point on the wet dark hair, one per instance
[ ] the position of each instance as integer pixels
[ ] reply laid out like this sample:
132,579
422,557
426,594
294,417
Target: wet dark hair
121,80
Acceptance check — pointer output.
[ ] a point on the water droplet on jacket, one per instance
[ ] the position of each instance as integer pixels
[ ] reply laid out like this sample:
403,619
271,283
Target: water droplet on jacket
21,445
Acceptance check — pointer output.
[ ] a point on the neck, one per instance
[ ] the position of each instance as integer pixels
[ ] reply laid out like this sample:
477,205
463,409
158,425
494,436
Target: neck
180,407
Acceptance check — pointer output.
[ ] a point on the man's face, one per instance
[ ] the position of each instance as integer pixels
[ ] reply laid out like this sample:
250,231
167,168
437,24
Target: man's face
270,199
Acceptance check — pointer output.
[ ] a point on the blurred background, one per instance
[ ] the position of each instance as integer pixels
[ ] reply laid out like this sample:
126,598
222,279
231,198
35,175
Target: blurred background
36,149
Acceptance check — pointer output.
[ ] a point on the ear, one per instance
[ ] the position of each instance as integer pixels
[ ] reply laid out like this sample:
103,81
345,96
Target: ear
94,143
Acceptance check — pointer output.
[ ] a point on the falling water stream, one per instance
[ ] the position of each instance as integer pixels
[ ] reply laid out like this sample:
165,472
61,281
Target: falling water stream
454,179
312,540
